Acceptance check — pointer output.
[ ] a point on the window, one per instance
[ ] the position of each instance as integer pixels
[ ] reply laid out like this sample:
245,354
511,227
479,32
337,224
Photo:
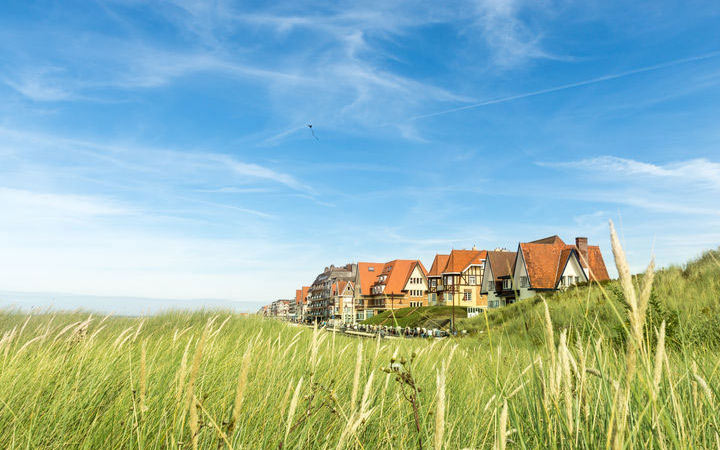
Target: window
433,283
507,283
471,280
449,281
524,282
371,269
467,295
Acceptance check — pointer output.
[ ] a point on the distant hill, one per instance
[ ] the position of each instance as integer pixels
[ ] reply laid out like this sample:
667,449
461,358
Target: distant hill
117,305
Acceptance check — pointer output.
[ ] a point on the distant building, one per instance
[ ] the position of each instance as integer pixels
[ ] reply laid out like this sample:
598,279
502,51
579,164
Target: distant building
283,309
367,274
401,284
462,279
499,267
549,264
341,302
301,303
321,302
435,279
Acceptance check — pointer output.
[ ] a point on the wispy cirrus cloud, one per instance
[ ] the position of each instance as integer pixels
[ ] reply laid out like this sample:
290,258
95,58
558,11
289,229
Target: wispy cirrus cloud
43,84
687,187
511,40
333,65
172,163
692,172
33,205
150,176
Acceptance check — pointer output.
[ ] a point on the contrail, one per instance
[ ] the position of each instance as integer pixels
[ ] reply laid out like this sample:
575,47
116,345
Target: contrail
572,85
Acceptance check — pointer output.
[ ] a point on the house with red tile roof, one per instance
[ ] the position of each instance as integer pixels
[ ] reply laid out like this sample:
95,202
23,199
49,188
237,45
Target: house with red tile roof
367,274
435,278
402,283
337,293
462,279
550,264
301,302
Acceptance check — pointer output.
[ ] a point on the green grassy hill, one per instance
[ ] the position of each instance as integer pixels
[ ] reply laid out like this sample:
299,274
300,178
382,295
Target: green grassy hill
217,380
427,317
686,297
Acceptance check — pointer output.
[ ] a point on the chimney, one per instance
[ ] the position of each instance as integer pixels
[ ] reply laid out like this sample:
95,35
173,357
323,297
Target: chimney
581,244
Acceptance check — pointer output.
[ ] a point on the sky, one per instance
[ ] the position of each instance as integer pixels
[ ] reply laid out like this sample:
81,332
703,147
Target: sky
158,153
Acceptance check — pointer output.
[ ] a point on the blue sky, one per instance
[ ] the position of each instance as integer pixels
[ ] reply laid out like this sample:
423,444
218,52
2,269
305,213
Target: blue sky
160,149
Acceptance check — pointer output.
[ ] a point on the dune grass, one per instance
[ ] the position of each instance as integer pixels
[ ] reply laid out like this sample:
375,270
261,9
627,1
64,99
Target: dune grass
216,380
428,317
686,297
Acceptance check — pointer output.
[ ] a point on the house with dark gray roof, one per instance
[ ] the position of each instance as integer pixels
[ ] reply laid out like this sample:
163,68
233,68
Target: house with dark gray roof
499,267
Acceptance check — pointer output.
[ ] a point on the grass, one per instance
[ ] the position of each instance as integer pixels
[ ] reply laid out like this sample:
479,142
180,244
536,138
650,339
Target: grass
216,380
686,297
427,317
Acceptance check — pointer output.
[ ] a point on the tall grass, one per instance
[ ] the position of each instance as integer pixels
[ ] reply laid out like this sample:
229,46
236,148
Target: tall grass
215,380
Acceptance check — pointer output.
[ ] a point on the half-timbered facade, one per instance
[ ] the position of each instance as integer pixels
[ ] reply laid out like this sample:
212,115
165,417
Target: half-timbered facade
462,278
435,286
401,284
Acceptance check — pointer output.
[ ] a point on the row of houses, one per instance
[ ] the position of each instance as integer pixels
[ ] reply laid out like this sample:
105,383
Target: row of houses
476,279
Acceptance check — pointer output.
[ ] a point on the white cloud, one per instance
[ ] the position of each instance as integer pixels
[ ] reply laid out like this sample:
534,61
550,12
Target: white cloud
699,172
688,187
39,86
28,205
510,39
338,78
260,172
90,244
138,161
